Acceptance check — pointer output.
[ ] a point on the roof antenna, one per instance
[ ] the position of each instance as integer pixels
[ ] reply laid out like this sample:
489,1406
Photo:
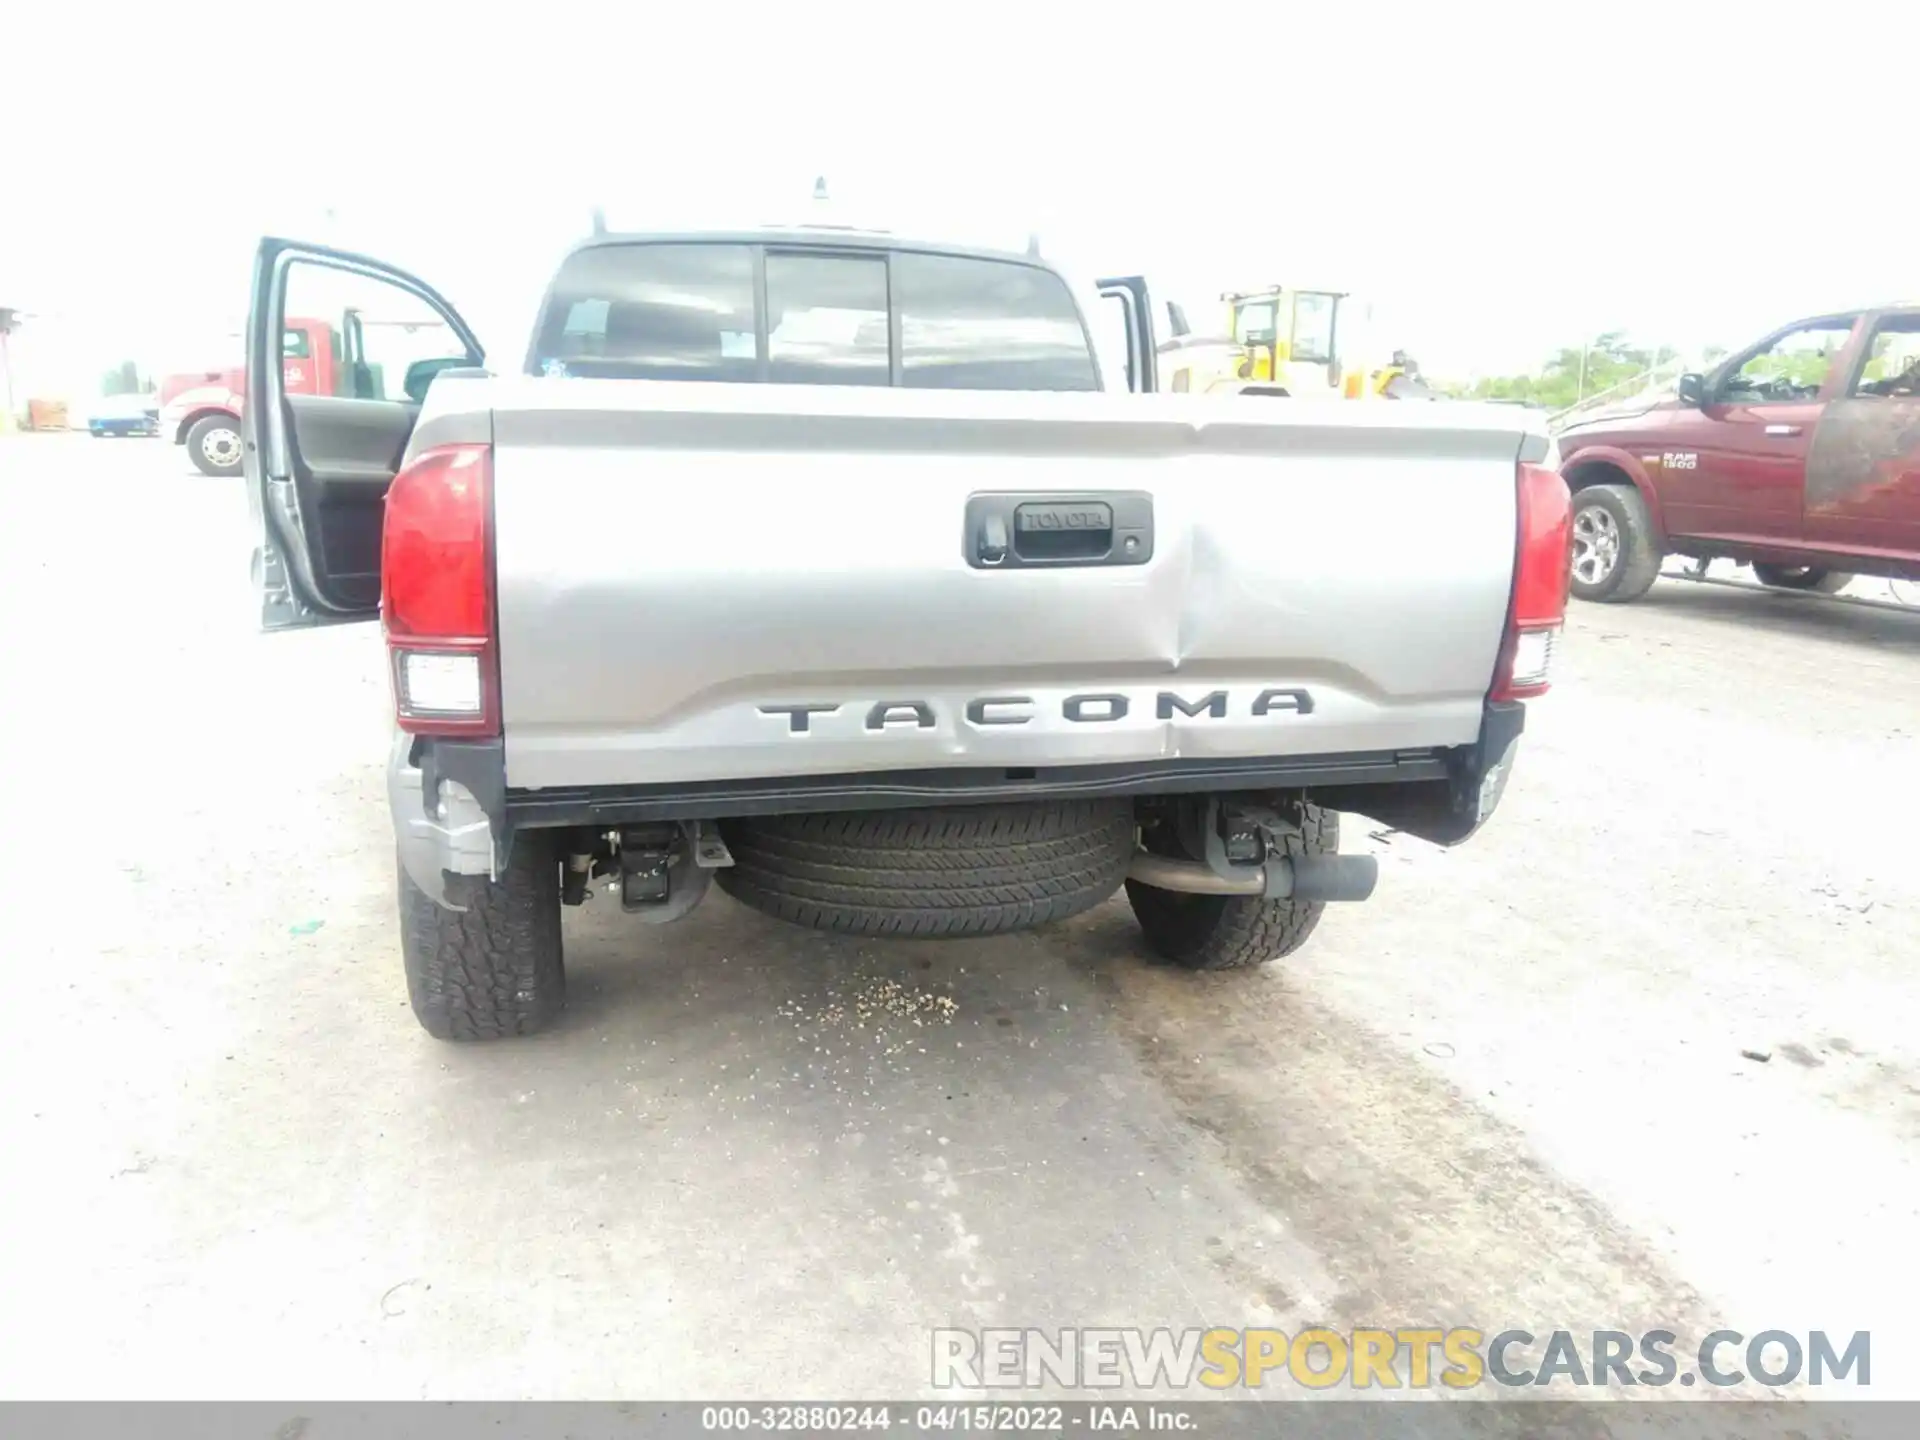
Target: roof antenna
820,189
1033,244
599,221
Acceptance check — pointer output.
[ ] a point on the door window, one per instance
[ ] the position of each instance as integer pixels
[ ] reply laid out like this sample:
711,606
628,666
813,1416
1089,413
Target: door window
1313,315
1793,367
1892,368
377,336
1255,322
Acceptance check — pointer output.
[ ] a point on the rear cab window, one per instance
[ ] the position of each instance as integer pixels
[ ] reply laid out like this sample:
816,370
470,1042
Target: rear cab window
814,315
826,319
651,312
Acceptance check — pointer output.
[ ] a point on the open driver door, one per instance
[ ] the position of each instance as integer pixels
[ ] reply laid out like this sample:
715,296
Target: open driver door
318,467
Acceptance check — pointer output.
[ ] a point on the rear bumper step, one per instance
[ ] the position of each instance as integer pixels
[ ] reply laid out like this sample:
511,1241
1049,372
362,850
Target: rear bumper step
888,789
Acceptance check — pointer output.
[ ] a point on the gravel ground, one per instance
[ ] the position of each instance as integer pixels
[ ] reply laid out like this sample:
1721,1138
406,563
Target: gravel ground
1518,1087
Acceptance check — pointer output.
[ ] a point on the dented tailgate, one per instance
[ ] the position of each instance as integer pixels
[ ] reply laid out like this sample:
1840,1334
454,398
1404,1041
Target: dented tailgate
712,582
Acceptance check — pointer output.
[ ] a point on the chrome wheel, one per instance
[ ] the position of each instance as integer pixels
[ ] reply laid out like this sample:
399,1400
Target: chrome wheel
1596,544
221,446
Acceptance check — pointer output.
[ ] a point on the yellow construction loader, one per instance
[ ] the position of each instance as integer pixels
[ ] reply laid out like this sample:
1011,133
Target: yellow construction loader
1310,344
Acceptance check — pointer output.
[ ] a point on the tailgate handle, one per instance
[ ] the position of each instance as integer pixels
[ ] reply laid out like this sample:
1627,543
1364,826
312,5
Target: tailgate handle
1010,531
1063,531
993,540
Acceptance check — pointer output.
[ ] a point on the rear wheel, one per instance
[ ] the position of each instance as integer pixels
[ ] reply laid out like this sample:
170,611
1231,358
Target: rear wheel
1230,932
968,870
1616,556
214,444
1803,577
496,967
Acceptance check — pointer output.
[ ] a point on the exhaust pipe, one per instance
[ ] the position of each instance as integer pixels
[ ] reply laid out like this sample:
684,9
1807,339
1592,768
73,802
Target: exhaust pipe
1310,879
1190,877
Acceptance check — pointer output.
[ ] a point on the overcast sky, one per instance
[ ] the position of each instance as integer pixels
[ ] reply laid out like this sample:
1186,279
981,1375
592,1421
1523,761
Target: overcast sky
1499,178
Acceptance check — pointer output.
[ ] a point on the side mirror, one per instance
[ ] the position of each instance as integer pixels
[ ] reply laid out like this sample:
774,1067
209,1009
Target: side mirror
421,372
1691,389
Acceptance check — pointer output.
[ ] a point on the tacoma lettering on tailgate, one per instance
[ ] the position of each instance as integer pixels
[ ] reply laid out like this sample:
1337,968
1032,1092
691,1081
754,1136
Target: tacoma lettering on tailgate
1094,708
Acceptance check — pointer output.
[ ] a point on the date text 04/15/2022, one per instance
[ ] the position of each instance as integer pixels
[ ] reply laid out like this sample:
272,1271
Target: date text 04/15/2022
948,1418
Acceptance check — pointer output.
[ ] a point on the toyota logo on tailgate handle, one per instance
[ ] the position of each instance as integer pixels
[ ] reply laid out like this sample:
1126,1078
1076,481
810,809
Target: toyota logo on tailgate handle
1015,531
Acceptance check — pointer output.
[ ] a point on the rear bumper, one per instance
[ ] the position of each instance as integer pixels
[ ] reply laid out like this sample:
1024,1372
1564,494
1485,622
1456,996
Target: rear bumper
902,789
440,824
453,812
1453,809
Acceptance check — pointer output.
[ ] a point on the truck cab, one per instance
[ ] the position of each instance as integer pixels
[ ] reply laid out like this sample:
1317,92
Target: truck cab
1292,337
1798,454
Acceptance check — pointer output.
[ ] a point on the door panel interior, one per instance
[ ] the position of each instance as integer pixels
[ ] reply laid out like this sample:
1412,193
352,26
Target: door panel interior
345,454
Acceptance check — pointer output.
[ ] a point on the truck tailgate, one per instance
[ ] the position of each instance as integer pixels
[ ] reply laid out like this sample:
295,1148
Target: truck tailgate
711,582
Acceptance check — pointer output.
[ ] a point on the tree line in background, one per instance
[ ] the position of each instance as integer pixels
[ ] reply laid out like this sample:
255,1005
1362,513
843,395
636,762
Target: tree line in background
1574,373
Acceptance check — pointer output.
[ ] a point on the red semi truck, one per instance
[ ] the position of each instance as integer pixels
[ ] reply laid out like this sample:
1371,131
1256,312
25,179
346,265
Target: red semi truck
201,408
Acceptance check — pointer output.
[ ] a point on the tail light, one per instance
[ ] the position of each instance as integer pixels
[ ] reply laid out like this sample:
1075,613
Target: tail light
436,593
1542,573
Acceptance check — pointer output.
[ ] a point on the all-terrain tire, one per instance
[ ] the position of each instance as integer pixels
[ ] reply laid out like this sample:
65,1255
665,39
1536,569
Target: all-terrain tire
495,968
1637,565
1803,577
932,874
227,460
1230,932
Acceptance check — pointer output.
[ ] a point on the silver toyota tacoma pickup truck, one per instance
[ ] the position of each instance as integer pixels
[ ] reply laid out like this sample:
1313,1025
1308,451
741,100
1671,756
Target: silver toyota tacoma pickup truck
853,574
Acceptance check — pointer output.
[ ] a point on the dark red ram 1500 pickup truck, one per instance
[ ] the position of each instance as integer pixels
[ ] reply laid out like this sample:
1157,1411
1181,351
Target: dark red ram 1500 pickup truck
1799,455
